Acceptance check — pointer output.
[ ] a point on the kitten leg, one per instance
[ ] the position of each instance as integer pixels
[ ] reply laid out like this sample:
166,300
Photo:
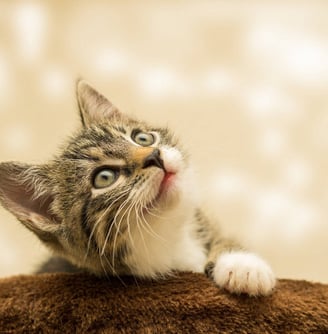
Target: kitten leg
239,271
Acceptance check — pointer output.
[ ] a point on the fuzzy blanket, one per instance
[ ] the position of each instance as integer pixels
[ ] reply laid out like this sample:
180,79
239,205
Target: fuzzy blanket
186,303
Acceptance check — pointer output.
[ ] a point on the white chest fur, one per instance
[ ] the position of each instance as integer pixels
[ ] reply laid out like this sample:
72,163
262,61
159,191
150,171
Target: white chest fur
167,244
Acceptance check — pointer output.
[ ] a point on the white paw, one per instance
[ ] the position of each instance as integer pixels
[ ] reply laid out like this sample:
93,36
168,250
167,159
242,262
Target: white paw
242,272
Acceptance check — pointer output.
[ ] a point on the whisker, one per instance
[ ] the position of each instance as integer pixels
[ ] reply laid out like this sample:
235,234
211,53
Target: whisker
129,226
147,226
153,207
127,210
103,267
99,220
141,234
113,223
114,271
150,210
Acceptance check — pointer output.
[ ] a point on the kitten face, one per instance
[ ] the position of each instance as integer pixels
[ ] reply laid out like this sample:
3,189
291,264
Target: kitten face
115,178
118,182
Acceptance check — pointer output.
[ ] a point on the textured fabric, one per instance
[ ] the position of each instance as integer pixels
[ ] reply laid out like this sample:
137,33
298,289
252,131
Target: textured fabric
186,303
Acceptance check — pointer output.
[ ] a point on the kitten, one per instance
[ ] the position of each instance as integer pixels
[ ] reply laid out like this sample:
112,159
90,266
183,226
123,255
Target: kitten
120,200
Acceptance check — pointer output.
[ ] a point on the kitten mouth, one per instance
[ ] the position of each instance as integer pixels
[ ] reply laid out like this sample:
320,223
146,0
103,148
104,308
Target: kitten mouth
163,190
166,185
166,182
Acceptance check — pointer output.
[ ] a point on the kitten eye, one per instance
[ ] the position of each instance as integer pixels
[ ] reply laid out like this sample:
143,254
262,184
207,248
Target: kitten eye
104,178
143,138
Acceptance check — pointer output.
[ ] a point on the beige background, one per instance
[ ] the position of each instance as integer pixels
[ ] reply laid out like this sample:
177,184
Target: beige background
244,83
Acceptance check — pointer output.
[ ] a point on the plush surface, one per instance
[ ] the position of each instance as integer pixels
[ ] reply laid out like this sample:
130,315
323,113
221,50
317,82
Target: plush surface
186,303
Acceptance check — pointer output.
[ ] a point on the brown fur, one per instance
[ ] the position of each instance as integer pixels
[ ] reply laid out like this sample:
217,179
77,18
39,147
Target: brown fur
187,303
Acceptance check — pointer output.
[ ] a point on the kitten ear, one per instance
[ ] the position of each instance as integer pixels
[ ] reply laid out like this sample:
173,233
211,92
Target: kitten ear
94,107
25,192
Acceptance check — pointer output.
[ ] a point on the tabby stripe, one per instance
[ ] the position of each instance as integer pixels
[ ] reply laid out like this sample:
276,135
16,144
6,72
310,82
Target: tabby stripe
80,156
85,223
101,138
120,129
106,131
122,252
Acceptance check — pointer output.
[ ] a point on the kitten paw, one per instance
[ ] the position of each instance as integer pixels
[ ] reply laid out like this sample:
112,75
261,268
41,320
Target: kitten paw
242,272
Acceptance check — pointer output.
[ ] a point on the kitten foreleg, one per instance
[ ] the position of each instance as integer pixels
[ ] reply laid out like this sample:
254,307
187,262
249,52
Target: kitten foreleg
237,270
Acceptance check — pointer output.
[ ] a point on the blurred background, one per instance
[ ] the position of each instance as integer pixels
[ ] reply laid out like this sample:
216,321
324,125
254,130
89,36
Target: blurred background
244,84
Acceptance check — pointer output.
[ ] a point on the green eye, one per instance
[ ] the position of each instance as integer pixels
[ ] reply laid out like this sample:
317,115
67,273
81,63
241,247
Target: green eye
104,178
144,139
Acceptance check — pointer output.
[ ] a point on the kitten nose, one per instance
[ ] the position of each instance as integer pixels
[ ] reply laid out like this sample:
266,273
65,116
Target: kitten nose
154,160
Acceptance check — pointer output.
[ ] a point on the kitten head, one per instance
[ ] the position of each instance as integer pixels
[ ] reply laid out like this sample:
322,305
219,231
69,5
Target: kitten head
116,180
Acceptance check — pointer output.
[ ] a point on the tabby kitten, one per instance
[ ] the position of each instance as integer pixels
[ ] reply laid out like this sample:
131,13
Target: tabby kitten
120,200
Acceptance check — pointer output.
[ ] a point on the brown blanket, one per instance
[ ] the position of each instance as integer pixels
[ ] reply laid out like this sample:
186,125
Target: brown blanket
186,303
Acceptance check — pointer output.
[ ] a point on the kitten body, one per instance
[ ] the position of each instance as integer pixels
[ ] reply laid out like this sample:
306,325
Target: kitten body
120,200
